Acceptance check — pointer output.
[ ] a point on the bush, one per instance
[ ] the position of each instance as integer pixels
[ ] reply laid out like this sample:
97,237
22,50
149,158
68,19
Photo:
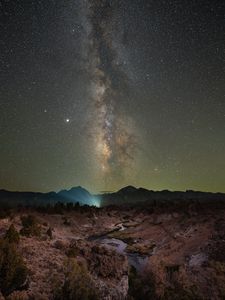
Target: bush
72,252
181,293
13,272
78,284
18,295
49,233
66,221
5,212
141,286
12,236
30,226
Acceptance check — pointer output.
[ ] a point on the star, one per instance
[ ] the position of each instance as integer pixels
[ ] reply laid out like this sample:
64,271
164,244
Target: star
129,88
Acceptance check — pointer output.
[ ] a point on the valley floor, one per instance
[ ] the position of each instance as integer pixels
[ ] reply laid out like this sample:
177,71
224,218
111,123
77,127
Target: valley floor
127,253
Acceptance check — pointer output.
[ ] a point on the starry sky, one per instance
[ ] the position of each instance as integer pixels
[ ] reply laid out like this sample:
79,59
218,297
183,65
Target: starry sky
106,93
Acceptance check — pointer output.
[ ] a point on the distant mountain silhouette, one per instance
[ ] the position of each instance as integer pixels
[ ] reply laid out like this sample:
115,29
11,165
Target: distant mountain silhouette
132,195
74,195
127,189
78,194
128,195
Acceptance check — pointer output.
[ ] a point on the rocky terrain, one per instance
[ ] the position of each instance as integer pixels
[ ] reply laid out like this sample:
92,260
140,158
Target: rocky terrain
120,253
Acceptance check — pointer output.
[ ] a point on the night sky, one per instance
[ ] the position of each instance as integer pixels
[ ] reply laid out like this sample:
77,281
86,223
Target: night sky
104,94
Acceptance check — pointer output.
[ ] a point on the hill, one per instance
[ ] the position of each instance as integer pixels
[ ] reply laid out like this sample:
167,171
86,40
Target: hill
129,195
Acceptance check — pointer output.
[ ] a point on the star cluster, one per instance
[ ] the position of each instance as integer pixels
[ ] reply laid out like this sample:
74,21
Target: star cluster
104,93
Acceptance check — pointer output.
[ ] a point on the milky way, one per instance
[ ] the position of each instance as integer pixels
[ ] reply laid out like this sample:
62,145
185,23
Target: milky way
114,139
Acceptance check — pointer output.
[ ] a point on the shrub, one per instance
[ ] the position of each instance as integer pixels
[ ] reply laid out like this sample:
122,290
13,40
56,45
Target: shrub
30,226
18,295
49,233
12,235
13,272
69,206
59,208
181,293
106,263
5,211
61,244
78,284
66,221
72,252
141,286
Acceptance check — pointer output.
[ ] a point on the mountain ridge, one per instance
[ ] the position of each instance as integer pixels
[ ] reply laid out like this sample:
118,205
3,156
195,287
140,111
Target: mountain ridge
126,195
